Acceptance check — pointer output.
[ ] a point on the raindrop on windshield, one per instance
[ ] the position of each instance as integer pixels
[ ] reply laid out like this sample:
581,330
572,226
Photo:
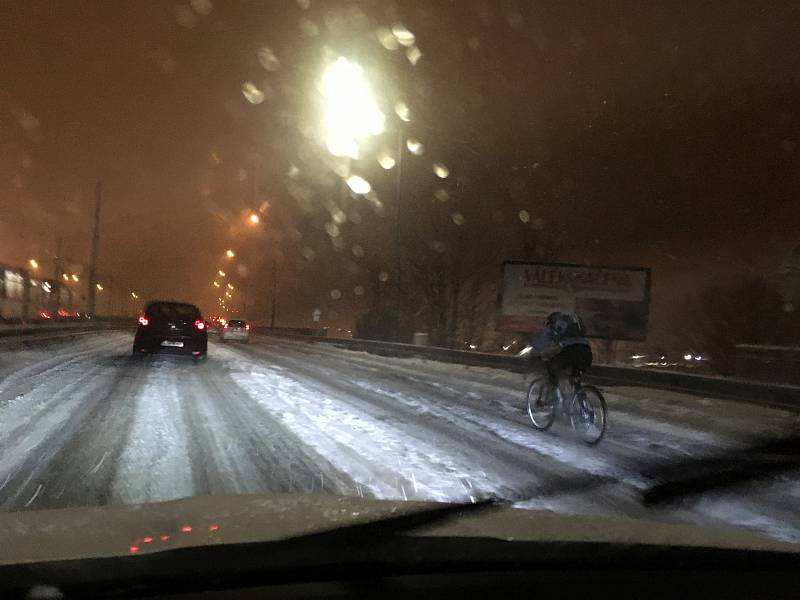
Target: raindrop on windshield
252,93
268,59
415,147
403,35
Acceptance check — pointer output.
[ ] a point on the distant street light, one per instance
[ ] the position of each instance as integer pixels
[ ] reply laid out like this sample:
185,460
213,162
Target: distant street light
221,273
254,219
229,254
99,287
230,287
134,295
75,278
65,277
33,263
216,284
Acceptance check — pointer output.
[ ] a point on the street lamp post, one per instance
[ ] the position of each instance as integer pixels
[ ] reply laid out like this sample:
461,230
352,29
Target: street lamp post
397,227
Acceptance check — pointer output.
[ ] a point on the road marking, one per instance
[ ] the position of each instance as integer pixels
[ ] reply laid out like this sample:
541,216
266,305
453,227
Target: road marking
6,481
36,493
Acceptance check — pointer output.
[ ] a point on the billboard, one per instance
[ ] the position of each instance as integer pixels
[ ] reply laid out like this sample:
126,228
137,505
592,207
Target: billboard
613,302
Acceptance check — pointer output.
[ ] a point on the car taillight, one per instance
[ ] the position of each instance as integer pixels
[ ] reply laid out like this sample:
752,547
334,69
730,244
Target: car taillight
247,327
200,325
144,321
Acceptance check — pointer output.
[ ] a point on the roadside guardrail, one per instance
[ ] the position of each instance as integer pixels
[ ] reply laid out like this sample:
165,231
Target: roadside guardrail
50,329
755,392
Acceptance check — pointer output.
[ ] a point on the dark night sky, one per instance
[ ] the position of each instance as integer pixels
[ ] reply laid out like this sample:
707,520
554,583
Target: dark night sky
656,136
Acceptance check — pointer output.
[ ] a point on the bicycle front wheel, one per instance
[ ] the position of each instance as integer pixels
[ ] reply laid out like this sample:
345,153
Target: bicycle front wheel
541,403
588,414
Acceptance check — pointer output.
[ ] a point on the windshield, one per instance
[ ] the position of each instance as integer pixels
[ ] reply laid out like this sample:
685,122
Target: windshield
540,252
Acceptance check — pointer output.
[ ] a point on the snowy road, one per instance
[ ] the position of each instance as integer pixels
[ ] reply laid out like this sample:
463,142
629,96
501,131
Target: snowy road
83,423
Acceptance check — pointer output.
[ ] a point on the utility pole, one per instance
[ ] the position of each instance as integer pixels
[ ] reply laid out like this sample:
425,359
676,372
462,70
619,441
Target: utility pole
274,291
95,246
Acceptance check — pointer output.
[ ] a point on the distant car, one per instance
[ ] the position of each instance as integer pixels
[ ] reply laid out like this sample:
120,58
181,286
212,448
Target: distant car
236,330
173,327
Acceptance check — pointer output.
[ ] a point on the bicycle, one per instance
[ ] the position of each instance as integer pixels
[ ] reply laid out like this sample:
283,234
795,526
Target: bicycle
585,411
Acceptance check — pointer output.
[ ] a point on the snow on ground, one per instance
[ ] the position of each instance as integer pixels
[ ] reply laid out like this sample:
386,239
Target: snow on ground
83,423
155,464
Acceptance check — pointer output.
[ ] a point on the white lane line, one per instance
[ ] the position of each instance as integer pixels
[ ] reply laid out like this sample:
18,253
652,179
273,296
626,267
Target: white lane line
36,493
5,482
98,465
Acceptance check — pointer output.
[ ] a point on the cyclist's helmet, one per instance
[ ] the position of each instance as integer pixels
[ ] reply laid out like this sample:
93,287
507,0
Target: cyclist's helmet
562,324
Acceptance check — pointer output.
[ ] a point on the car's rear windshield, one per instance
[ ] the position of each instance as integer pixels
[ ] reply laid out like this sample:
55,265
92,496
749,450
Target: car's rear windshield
173,310
236,323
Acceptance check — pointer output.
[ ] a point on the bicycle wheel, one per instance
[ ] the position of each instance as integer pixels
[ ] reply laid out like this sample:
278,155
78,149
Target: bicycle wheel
541,403
588,414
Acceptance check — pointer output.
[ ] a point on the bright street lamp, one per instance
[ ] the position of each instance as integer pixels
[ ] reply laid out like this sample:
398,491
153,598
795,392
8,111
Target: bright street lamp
350,111
33,263
99,287
75,278
221,273
254,219
229,253
134,295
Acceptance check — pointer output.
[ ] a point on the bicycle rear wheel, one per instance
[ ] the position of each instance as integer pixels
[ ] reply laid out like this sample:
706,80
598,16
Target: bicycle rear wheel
588,414
541,403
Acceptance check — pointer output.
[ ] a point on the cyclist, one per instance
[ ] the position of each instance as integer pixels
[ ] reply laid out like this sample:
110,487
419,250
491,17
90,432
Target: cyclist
563,346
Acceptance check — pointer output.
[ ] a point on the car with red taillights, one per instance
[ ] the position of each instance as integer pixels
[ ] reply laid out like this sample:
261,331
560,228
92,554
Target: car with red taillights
236,330
171,327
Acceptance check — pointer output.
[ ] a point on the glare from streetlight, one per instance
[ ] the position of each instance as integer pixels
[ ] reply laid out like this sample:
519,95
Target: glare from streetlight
33,263
65,277
221,273
134,295
75,278
216,284
254,219
229,253
350,111
230,287
99,287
